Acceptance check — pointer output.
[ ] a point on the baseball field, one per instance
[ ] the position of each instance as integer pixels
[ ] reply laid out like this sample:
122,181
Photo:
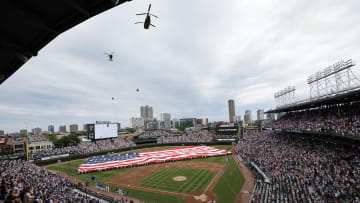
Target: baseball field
198,180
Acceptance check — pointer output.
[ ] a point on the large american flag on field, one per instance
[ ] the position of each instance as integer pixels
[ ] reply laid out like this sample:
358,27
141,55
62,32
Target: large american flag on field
98,163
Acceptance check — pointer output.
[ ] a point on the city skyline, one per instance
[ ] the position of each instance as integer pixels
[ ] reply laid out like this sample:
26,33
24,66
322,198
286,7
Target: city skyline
188,74
67,127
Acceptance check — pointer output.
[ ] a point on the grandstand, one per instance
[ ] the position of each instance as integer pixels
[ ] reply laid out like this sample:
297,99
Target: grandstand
301,169
83,148
311,152
334,112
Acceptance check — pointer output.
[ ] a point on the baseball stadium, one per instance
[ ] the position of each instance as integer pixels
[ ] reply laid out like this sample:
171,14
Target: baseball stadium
306,150
184,177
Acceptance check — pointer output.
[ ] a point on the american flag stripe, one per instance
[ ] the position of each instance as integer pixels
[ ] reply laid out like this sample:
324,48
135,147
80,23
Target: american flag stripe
146,157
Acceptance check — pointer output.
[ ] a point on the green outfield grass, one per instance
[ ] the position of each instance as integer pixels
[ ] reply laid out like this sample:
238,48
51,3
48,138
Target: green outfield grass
226,190
229,184
151,197
70,168
197,179
228,148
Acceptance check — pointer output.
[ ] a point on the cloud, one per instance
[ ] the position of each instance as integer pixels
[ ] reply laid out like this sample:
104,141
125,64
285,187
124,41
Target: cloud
201,54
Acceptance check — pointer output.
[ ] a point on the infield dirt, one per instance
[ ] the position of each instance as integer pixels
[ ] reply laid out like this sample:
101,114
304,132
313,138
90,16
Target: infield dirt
132,178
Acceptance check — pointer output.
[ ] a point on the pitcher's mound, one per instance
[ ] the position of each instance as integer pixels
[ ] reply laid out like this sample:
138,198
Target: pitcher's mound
179,178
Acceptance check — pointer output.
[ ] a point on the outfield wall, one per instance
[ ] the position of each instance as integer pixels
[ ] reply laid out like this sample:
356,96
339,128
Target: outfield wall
84,156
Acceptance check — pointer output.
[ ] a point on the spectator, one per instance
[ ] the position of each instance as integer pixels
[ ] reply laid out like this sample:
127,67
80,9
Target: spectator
343,120
302,171
87,147
193,137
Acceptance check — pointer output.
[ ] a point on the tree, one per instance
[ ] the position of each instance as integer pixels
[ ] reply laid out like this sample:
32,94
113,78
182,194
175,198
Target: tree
51,137
70,140
258,123
183,127
131,130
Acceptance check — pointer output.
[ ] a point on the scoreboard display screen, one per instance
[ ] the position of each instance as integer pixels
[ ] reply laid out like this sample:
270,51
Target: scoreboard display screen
108,130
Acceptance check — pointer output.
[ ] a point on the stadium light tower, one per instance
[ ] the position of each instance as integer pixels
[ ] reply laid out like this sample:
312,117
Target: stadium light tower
333,79
285,96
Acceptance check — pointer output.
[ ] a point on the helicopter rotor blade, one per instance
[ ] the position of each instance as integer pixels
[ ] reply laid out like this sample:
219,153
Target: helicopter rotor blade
139,14
152,25
154,15
149,8
139,22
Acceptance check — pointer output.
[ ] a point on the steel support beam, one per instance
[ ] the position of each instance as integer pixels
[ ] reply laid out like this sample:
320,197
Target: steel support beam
34,17
76,6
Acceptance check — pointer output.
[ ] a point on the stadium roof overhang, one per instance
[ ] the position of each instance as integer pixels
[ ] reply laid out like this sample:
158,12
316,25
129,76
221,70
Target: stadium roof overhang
28,26
339,98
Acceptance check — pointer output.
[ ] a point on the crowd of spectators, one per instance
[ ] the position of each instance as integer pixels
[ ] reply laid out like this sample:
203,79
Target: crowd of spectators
191,136
87,147
8,156
37,138
155,133
339,119
301,170
22,181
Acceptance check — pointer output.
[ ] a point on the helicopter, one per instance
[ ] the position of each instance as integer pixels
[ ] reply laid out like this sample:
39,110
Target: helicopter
147,22
110,56
137,90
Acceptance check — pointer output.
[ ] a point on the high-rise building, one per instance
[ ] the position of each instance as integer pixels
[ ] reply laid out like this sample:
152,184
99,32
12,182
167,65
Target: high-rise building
146,112
231,110
152,125
206,121
74,128
188,122
51,128
85,127
62,129
36,131
165,119
175,123
2,133
260,114
23,132
136,123
247,116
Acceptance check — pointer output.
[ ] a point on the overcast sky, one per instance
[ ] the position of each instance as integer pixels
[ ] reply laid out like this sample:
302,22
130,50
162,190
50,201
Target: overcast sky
200,54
